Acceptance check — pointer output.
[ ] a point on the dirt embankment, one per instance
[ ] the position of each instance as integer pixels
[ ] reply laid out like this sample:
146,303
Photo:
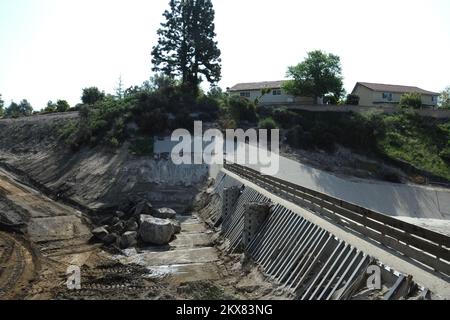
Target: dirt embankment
94,177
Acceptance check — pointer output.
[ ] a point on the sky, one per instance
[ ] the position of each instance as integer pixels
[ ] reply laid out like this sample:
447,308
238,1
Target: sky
51,49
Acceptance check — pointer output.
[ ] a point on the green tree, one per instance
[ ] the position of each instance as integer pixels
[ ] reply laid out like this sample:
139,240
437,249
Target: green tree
411,100
2,105
17,110
120,91
62,106
159,82
51,107
444,99
319,75
13,110
92,95
25,108
186,46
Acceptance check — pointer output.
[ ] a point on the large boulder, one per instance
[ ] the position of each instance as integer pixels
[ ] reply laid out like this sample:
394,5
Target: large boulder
100,233
110,239
176,226
131,225
127,240
143,208
156,231
120,214
118,228
164,213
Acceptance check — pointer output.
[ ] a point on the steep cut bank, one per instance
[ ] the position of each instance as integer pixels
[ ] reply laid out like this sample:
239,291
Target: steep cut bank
98,177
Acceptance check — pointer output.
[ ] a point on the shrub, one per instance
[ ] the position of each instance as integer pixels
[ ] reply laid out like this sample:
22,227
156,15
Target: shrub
242,109
62,106
227,123
445,154
1,106
322,138
411,100
114,143
268,124
152,122
352,100
298,138
92,95
286,118
208,105
142,147
50,108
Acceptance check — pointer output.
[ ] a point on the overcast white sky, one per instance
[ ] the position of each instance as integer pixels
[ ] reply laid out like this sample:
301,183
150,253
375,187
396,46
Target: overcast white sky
51,49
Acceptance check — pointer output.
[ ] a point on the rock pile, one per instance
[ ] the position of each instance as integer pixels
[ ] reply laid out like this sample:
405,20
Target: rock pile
135,220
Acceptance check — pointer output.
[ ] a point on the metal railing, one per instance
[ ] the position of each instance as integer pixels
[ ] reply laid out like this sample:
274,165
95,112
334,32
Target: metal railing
430,248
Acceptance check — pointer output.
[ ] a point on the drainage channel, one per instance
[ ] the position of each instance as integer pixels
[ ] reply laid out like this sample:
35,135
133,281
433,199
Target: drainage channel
298,255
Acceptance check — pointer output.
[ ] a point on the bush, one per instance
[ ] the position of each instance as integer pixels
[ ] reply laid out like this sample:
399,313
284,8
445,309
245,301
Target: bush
50,108
445,154
62,106
241,109
285,118
92,95
208,105
152,122
114,143
268,124
142,147
352,100
411,100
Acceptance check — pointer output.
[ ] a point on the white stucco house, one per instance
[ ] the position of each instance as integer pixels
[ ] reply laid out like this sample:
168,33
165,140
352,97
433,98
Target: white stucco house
377,94
276,95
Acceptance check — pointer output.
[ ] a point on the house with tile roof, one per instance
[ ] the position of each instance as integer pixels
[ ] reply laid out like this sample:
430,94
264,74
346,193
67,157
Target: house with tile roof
275,96
377,94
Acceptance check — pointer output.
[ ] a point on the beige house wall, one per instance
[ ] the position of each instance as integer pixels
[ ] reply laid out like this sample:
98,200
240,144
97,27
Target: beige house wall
270,98
365,95
369,98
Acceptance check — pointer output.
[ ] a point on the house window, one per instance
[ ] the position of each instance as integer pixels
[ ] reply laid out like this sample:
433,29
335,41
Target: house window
433,99
245,94
387,96
276,92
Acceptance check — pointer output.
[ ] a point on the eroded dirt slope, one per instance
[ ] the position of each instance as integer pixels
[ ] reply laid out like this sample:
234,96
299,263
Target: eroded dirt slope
94,177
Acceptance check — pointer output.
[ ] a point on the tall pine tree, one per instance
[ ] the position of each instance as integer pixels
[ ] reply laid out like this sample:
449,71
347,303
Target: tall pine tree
186,46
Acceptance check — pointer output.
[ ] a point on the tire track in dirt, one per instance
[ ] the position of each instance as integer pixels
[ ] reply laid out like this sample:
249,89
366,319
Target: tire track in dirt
57,234
17,267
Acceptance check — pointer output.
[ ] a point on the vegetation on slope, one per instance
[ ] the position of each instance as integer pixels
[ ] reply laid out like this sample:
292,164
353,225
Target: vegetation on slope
419,141
154,108
405,136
